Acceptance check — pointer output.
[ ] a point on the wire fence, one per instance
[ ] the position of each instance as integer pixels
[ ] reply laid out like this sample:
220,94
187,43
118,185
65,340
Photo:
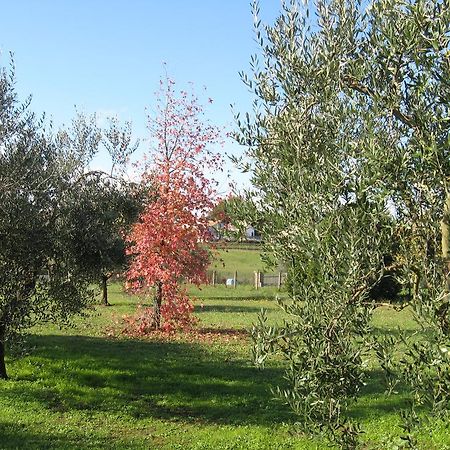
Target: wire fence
257,278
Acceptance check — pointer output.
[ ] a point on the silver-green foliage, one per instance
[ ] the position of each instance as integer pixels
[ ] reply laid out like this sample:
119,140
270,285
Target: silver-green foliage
39,278
349,151
59,224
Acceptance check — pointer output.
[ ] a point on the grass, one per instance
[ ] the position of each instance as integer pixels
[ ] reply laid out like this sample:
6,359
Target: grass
133,394
80,389
221,306
245,261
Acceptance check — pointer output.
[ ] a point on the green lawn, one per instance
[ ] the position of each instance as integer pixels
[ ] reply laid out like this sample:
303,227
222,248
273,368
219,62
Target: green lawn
246,262
80,389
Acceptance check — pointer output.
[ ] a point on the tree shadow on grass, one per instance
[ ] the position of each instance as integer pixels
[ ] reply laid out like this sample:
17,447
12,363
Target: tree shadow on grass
375,403
223,332
16,437
144,379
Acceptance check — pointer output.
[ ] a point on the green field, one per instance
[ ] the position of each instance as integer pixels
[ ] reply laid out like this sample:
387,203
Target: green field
242,260
87,387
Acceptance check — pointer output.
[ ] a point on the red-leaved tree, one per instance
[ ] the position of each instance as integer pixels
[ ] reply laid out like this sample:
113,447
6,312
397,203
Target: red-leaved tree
169,243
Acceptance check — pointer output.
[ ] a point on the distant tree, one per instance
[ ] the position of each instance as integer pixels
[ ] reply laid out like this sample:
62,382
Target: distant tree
117,139
220,213
107,204
168,244
103,212
230,223
220,219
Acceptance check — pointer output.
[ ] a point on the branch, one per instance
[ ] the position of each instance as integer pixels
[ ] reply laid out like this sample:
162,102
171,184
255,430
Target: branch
356,85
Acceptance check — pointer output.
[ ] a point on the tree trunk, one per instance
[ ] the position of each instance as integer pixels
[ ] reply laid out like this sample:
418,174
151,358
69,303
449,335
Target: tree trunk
104,287
3,374
445,233
443,310
157,304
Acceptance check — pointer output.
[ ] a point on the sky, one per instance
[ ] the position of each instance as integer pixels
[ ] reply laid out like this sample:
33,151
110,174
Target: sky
107,57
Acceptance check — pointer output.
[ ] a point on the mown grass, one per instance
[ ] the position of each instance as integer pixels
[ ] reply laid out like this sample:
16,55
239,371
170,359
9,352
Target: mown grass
80,389
245,262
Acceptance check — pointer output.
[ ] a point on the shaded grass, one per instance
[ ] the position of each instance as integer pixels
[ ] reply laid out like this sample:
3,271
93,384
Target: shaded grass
79,389
143,380
118,392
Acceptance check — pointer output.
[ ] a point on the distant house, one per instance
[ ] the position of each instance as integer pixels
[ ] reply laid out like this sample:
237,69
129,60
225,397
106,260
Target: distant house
220,230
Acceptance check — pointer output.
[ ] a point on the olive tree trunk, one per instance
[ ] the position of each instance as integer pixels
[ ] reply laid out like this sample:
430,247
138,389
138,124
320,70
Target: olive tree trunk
3,374
445,232
442,310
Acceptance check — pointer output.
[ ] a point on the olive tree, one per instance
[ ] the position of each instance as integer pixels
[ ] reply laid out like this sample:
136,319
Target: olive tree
348,146
47,195
106,204
101,213
404,73
39,278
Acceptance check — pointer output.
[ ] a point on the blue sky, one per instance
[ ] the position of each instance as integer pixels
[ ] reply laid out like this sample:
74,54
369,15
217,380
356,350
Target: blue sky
106,56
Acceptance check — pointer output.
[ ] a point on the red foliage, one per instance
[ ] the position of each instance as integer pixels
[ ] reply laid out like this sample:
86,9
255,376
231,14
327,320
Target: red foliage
167,244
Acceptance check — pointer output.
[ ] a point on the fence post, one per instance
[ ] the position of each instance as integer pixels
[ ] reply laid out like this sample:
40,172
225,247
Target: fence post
235,279
279,280
256,280
213,279
261,279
